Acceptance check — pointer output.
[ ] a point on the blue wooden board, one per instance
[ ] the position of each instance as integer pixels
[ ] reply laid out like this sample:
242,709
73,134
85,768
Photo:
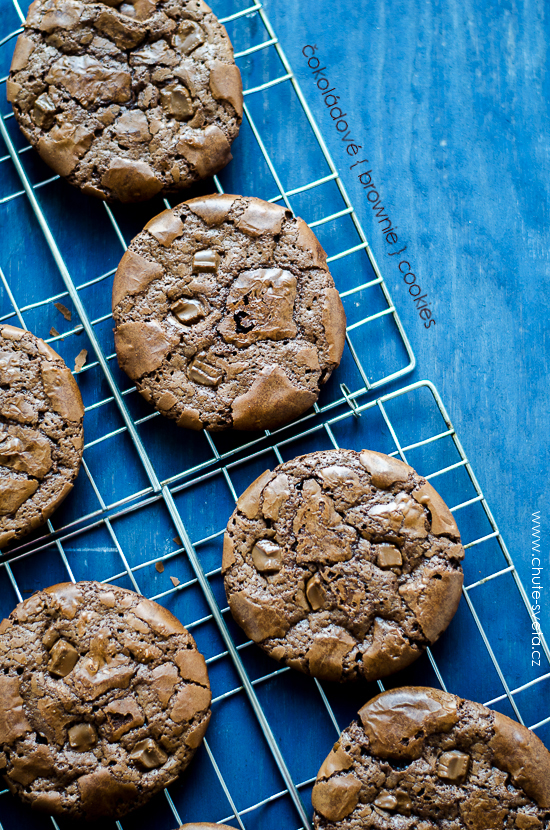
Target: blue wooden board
448,102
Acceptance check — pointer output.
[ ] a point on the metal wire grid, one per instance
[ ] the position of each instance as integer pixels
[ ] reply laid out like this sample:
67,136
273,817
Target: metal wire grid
367,381
89,322
227,470
326,433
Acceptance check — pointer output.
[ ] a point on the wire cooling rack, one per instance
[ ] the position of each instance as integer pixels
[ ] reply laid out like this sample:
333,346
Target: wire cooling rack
151,502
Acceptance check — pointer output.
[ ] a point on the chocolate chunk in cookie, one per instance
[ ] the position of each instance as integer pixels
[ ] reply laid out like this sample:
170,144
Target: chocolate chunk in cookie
423,759
226,314
127,100
104,699
41,436
342,564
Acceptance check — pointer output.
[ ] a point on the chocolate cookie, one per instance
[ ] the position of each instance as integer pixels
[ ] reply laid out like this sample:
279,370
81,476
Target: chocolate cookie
41,434
127,102
342,564
226,314
104,699
424,759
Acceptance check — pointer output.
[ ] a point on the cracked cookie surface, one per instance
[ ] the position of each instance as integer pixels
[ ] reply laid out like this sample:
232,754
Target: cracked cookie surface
41,435
104,699
342,564
226,314
423,759
127,99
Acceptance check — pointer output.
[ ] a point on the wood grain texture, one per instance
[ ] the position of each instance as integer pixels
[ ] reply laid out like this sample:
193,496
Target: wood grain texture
450,103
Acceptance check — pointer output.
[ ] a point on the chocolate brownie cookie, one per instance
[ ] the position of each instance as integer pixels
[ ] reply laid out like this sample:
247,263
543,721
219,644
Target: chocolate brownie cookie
422,759
104,699
41,434
342,564
226,314
127,99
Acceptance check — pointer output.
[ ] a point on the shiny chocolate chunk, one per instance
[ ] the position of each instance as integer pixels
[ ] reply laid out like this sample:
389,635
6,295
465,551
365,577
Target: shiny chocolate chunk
122,716
259,619
397,722
63,658
206,150
336,761
204,373
386,801
177,102
148,755
13,719
188,311
453,766
267,556
50,637
214,209
388,556
206,261
82,737
442,521
329,652
25,450
315,593
384,470
130,181
249,501
44,111
271,401
336,798
188,37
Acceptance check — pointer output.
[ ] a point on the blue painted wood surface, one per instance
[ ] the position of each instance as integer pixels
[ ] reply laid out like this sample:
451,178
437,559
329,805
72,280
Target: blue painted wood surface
449,102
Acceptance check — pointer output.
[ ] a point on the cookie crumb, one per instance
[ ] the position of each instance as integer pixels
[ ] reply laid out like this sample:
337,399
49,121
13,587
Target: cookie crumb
80,360
175,581
159,566
54,332
178,541
64,311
